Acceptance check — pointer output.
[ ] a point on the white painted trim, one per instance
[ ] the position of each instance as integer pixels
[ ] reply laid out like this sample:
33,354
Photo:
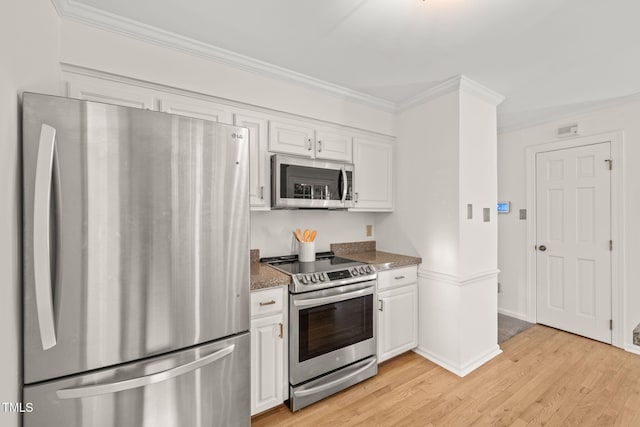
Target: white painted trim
460,371
618,221
80,70
480,91
510,313
85,14
632,349
510,122
456,280
447,86
453,84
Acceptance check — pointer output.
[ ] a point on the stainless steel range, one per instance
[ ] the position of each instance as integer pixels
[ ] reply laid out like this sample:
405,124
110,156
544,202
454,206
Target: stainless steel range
332,327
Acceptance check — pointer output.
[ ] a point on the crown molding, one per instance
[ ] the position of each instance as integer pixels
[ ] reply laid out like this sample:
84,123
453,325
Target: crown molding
480,91
78,12
453,84
526,119
447,86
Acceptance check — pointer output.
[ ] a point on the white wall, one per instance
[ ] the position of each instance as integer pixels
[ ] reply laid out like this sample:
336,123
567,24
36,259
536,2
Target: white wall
29,44
512,186
426,186
478,185
272,232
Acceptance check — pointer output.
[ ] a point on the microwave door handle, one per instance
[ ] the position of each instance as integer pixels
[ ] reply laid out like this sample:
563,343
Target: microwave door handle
41,234
344,185
145,380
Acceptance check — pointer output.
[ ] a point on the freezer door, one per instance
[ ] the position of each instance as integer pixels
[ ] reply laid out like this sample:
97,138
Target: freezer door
136,234
205,386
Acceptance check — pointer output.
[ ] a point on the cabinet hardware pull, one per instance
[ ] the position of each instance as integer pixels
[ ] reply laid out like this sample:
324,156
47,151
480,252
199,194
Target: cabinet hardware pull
281,330
380,305
309,148
356,197
399,277
320,146
262,304
262,192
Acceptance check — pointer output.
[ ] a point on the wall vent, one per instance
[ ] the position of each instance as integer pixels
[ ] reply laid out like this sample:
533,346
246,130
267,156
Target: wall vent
568,130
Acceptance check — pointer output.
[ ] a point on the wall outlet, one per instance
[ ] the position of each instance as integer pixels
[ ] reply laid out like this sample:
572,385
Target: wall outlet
369,230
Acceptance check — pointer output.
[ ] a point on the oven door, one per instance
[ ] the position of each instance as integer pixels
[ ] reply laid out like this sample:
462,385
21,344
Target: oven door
330,328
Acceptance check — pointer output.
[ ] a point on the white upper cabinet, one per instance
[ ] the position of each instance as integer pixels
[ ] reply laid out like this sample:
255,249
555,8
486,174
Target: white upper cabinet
334,145
304,139
373,176
291,137
110,92
197,108
259,171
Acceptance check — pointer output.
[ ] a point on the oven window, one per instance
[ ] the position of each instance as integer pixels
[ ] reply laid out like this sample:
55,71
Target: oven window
330,327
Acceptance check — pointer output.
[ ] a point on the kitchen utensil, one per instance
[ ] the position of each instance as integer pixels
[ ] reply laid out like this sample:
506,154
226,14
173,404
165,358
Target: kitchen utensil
307,233
298,235
312,237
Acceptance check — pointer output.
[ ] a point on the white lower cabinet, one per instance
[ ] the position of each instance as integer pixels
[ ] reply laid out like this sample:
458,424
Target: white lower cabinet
268,349
397,320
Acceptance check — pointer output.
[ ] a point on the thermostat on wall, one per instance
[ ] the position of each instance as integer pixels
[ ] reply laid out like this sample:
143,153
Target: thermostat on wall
504,207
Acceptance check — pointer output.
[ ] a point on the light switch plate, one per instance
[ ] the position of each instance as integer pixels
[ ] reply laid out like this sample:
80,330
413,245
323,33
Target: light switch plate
523,214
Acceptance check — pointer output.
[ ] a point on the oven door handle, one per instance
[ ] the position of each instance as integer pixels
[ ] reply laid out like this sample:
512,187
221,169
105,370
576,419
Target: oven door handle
333,298
330,384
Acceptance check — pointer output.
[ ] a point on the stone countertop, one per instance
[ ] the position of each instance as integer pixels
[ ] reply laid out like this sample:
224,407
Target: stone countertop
264,276
383,260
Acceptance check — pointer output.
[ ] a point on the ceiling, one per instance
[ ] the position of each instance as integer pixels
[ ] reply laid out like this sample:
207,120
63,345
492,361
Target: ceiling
539,54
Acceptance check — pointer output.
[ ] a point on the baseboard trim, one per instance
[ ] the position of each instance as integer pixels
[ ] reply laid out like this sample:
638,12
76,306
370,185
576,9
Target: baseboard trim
514,314
632,349
463,370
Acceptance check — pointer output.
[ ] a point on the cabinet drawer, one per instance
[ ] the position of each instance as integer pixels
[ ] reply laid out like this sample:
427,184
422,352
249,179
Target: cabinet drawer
267,301
397,277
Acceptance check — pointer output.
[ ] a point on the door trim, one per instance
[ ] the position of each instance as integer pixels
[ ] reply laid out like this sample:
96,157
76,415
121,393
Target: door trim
618,291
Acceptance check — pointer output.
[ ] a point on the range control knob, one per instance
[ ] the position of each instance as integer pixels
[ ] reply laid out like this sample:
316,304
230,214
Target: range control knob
314,277
361,270
369,269
323,277
354,271
303,279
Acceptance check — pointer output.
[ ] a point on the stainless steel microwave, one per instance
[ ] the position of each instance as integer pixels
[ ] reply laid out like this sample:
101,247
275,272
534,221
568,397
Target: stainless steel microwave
298,182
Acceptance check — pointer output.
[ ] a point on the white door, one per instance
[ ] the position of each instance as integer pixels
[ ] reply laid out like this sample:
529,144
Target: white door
573,262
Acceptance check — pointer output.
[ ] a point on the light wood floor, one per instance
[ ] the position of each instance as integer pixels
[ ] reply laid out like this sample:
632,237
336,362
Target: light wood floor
543,377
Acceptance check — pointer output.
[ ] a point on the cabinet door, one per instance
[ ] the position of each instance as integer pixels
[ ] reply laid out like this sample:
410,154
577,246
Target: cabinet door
259,170
373,187
291,137
110,92
333,145
397,321
197,108
267,362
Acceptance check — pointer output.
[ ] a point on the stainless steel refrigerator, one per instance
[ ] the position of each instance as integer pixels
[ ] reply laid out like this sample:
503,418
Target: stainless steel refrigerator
136,267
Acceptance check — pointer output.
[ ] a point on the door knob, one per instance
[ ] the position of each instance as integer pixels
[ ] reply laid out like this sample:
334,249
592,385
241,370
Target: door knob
542,248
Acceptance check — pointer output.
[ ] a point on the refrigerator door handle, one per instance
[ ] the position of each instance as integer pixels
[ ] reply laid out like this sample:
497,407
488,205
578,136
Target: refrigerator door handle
109,388
41,233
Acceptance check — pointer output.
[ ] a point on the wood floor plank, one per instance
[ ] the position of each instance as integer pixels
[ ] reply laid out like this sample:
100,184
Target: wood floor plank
543,377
